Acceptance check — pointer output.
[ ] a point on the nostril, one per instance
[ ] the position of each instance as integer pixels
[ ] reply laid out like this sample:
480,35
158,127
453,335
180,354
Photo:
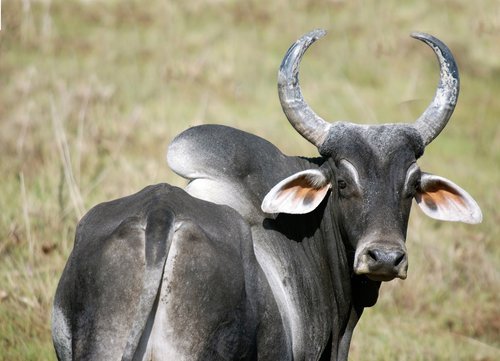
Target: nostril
400,256
373,254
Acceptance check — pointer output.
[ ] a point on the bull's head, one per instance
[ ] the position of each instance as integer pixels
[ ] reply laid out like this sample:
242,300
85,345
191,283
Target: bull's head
371,170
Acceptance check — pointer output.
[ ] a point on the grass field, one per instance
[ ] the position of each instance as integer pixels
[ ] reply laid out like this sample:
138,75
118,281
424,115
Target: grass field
92,92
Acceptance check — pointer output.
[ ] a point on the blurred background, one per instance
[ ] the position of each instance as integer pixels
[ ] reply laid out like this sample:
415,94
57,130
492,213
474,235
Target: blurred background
92,92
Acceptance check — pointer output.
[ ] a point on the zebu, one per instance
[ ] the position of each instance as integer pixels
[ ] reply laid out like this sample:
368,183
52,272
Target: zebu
264,256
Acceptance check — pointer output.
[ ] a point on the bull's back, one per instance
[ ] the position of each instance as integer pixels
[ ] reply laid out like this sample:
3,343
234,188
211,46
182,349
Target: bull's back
110,286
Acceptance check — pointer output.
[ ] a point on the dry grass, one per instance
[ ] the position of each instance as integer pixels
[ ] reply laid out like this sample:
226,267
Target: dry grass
92,92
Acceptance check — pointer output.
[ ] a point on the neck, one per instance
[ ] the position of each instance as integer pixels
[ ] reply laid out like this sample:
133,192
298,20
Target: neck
307,266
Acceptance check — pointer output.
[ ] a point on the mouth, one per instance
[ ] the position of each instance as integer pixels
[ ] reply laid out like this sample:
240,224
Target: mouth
383,278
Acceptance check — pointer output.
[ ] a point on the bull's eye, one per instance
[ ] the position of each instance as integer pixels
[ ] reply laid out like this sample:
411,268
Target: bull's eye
341,184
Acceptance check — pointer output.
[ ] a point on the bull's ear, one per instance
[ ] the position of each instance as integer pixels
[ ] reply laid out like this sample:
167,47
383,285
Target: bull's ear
300,193
442,199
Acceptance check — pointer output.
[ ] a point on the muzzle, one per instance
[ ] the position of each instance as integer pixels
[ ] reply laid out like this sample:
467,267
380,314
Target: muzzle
381,262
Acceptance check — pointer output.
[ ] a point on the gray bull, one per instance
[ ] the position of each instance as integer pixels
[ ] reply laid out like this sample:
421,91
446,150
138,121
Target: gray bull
266,256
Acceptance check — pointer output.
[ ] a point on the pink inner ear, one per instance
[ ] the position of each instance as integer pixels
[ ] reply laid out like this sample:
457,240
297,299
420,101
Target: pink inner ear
439,195
442,199
300,191
298,194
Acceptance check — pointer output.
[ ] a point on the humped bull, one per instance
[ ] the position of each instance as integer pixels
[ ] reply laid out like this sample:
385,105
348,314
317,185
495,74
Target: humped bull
263,256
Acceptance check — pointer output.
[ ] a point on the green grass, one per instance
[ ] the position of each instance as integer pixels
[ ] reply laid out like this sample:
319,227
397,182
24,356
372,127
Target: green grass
92,93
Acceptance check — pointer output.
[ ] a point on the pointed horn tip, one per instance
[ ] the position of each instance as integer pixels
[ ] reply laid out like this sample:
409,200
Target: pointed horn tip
430,40
437,46
313,35
420,36
318,33
297,50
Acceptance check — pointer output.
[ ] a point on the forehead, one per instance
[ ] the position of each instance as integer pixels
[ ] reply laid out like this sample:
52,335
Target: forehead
372,143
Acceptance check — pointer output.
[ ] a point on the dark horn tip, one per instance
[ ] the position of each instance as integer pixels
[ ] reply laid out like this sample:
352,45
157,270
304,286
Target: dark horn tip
428,39
438,46
420,36
433,41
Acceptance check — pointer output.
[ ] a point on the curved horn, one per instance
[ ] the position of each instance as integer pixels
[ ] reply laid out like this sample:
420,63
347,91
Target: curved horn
435,117
299,114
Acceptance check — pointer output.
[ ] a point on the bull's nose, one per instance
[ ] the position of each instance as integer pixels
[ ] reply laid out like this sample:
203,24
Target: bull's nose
381,263
386,258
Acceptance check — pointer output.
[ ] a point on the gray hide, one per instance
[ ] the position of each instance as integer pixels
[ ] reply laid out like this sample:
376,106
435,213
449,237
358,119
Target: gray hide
266,256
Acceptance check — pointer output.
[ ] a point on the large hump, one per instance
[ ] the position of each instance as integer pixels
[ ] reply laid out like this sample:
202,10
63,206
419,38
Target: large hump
229,166
219,151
